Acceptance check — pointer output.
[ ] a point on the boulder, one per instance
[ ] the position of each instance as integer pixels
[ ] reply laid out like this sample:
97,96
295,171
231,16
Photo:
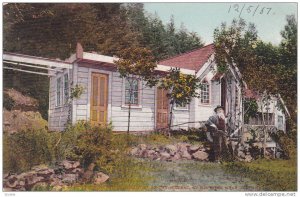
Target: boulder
150,153
200,155
248,158
76,164
12,181
194,148
171,149
46,173
241,154
175,157
134,151
165,156
142,146
186,155
182,147
69,178
67,164
100,177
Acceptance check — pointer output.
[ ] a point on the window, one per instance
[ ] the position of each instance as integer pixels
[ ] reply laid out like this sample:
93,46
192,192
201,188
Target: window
135,92
280,122
66,88
258,119
204,95
58,91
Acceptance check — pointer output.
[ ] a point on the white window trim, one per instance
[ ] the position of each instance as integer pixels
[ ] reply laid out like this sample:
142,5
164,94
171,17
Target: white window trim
209,87
140,96
186,108
56,90
64,99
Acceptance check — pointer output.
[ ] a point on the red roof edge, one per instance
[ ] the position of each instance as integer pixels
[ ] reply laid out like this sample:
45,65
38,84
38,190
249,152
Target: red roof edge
186,52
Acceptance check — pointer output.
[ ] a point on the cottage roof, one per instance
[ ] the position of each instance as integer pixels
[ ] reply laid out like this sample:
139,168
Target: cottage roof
193,60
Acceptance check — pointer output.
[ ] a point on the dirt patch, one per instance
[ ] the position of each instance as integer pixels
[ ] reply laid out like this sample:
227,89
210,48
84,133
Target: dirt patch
17,120
20,101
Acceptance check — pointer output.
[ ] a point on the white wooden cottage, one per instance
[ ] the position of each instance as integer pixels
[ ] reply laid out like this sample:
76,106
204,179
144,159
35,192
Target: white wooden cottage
104,97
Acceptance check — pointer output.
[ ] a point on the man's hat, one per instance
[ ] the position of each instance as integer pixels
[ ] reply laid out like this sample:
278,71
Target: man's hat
218,107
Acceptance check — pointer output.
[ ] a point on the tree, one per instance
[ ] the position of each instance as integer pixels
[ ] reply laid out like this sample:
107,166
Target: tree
236,46
267,69
182,88
136,65
164,40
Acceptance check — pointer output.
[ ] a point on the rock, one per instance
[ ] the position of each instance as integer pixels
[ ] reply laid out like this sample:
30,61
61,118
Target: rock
194,148
134,151
248,158
186,155
46,173
32,180
69,178
171,149
150,153
56,182
241,154
100,177
87,176
182,147
67,164
76,164
6,175
175,157
142,146
164,156
7,189
78,171
200,155
12,181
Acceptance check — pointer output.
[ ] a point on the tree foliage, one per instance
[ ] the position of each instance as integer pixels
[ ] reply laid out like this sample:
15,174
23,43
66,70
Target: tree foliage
164,40
182,88
136,65
53,29
265,67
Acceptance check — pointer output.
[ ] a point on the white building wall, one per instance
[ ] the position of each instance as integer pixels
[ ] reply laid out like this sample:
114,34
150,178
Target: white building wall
58,115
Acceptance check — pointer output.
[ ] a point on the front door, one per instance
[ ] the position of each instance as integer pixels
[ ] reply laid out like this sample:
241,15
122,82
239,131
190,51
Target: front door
99,99
162,108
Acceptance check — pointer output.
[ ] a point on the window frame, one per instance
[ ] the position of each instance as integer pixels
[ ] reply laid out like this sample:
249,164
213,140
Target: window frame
58,94
139,94
66,97
183,108
208,91
280,125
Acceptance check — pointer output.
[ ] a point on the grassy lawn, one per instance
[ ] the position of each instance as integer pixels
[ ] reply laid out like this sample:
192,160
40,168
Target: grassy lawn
270,175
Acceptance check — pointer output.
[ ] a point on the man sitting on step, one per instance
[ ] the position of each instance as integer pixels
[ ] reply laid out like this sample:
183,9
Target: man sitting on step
216,134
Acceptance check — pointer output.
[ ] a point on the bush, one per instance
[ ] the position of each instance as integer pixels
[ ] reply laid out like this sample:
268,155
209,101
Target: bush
8,102
286,143
24,149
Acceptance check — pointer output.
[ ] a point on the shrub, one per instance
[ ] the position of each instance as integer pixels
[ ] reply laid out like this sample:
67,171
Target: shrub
286,143
24,149
8,102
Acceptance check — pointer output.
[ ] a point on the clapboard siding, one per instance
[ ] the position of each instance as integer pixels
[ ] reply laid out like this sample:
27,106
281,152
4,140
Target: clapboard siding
58,116
141,118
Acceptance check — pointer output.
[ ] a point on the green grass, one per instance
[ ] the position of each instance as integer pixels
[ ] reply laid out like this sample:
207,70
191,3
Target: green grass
270,175
132,175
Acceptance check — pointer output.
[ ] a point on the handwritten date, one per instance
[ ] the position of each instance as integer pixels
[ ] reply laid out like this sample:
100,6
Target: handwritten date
249,9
